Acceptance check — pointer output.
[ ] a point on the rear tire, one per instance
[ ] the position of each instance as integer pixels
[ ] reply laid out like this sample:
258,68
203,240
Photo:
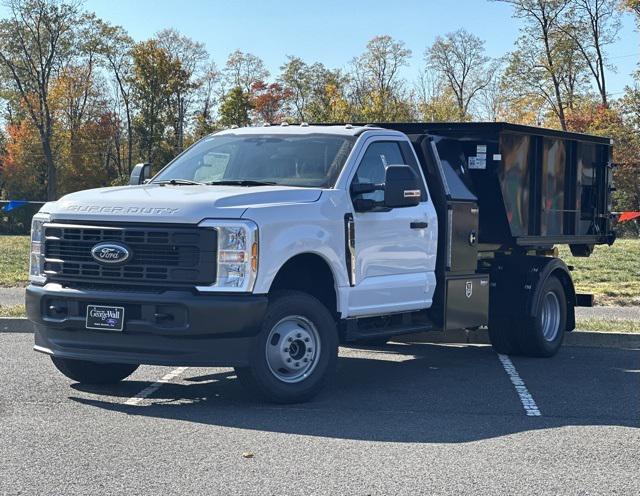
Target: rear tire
86,372
542,336
296,352
539,336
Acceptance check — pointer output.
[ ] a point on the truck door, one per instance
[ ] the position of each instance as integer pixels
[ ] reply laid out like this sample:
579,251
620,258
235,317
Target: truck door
393,251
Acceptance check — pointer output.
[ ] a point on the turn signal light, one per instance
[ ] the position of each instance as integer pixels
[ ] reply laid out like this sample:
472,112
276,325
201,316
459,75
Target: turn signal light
254,257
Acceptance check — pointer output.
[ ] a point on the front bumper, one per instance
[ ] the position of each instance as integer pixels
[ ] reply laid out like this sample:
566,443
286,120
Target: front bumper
168,328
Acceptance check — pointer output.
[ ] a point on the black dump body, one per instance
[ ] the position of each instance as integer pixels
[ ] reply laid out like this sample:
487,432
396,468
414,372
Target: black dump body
534,187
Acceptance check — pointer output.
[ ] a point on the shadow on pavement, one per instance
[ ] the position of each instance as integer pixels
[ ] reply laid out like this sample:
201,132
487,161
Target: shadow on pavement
400,393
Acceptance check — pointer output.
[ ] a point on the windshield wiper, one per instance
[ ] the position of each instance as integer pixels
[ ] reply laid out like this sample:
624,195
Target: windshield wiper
228,182
179,182
242,182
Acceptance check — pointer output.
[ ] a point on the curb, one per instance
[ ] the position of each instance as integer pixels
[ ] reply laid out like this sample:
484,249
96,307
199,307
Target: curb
15,324
603,339
481,336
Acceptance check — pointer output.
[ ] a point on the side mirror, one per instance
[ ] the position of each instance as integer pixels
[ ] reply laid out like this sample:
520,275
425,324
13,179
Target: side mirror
364,188
139,174
401,187
361,204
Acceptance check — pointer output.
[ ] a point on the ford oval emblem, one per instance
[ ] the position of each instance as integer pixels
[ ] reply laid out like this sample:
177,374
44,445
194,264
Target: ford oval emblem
110,253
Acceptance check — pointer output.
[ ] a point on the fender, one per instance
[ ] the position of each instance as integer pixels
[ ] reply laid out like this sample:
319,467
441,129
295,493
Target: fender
290,243
286,231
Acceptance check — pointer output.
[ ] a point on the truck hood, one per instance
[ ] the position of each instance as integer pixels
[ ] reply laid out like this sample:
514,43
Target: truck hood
174,204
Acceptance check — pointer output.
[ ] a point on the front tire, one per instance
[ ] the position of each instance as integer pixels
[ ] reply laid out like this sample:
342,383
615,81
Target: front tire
86,372
296,351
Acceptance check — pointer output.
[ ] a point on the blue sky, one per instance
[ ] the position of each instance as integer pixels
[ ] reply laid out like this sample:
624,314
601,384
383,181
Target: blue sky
333,31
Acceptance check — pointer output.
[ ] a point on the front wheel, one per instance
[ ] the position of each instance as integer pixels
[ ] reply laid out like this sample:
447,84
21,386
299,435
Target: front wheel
295,354
86,372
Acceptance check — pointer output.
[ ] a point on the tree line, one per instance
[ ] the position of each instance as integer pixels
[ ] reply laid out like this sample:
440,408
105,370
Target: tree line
83,102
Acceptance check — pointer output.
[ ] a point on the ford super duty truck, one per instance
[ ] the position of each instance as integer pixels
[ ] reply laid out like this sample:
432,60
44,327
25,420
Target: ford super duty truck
263,248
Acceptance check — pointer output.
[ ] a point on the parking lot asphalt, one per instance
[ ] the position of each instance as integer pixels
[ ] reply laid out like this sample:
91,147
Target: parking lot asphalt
402,419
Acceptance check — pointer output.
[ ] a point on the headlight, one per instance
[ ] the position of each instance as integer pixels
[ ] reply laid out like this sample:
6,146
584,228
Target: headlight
36,261
237,255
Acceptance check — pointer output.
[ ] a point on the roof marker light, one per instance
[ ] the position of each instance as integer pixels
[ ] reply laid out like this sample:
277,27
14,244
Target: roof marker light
284,124
304,124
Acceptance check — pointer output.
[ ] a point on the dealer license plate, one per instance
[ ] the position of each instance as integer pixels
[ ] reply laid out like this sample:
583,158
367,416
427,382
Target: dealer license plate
105,318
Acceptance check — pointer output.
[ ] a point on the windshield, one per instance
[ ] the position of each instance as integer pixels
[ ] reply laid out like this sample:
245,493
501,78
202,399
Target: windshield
312,160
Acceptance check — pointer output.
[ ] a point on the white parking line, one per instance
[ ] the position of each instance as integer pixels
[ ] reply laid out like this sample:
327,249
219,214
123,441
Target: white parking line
526,399
135,400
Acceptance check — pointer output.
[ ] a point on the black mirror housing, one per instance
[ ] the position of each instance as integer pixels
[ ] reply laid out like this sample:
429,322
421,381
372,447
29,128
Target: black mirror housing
139,174
363,188
401,187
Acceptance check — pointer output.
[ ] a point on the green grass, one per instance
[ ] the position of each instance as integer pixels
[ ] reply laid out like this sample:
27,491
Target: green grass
14,260
609,325
611,273
12,311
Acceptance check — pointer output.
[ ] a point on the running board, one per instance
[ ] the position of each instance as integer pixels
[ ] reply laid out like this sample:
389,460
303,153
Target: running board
356,329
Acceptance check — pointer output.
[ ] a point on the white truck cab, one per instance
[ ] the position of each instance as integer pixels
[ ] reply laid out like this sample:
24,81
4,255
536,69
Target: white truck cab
262,248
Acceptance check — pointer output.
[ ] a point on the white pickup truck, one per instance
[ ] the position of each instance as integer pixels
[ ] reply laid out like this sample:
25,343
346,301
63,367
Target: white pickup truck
263,248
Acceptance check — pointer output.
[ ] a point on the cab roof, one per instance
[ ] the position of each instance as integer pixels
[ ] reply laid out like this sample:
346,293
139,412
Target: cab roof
340,130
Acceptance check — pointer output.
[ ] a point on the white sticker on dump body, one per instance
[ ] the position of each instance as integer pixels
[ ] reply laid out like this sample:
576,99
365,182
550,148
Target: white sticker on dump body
479,162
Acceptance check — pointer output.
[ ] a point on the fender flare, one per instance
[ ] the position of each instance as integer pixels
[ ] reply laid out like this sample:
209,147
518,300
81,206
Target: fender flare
324,261
517,283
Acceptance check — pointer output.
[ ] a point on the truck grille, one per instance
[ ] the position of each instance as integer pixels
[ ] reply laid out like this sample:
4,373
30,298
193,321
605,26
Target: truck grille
174,255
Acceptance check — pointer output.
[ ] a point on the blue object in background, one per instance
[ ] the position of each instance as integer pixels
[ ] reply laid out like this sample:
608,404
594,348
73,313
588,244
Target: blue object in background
14,204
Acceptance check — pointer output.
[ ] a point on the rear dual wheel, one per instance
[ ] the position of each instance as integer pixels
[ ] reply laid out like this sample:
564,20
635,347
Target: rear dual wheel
543,335
540,336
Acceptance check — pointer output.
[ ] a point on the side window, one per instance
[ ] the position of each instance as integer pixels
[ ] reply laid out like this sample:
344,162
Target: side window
378,156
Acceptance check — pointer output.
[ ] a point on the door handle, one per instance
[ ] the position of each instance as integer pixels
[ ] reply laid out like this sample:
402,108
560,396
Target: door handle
419,225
